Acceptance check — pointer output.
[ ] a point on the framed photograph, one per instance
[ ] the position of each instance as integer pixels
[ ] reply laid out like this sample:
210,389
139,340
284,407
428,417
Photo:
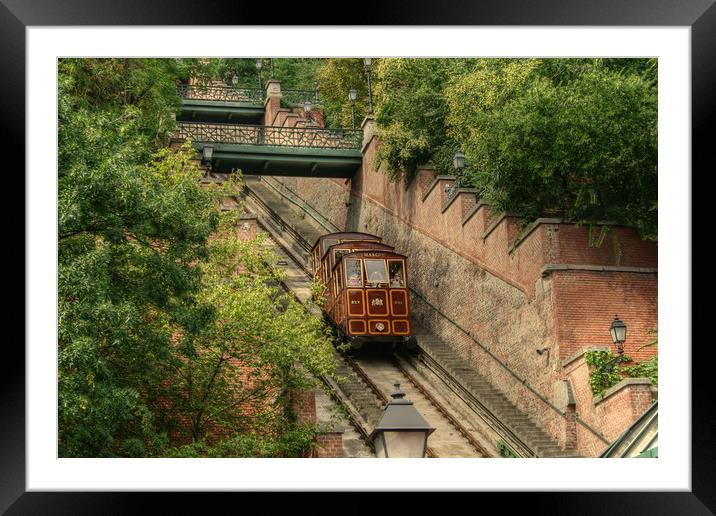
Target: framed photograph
41,477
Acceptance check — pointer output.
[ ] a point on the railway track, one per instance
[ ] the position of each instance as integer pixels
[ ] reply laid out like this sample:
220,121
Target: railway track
364,382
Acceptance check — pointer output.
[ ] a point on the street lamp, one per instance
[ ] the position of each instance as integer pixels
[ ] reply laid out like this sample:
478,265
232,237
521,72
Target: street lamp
259,64
402,431
307,106
458,162
235,80
366,63
352,95
618,332
207,151
273,70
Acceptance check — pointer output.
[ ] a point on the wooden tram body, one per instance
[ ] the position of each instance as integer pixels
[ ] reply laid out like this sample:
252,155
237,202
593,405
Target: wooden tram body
366,287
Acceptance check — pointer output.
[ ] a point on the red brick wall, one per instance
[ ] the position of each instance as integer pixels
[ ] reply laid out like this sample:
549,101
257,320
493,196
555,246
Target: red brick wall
303,403
489,278
610,415
330,446
586,302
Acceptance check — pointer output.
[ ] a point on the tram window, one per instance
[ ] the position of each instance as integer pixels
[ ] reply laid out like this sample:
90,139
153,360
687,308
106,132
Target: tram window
375,272
338,253
328,243
397,273
354,274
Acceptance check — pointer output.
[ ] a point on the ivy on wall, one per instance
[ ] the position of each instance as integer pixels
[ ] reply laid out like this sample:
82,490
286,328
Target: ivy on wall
602,378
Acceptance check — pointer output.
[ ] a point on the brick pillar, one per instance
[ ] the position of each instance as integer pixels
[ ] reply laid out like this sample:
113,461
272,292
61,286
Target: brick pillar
369,128
570,428
303,403
273,101
330,445
246,228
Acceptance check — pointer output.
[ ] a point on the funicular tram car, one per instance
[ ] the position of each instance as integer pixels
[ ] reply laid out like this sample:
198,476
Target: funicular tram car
366,288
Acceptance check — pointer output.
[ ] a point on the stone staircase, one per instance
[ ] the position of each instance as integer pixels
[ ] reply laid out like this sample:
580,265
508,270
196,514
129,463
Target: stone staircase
368,406
519,423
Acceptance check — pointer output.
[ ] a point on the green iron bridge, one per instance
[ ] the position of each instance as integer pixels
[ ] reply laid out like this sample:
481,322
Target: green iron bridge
229,120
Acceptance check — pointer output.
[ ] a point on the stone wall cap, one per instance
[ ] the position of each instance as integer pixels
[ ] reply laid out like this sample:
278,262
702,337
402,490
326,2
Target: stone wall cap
581,352
248,216
503,216
626,382
434,184
335,430
367,120
529,229
454,197
475,209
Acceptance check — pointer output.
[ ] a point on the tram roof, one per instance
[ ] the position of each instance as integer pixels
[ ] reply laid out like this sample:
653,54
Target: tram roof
356,235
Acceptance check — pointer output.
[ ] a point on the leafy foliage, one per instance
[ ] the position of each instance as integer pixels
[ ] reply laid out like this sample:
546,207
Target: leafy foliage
570,137
291,441
602,378
336,77
131,221
150,310
647,369
245,365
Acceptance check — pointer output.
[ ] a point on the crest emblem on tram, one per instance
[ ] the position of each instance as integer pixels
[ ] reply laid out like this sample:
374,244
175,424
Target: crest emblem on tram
376,302
380,326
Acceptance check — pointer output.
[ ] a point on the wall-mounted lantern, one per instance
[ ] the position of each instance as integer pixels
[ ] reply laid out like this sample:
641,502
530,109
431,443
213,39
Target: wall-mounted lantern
618,332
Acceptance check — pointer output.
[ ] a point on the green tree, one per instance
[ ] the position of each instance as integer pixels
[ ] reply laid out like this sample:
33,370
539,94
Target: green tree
572,138
250,356
336,77
132,219
411,111
148,306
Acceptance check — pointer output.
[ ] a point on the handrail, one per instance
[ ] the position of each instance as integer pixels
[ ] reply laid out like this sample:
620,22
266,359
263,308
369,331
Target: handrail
300,96
277,189
220,93
521,380
311,137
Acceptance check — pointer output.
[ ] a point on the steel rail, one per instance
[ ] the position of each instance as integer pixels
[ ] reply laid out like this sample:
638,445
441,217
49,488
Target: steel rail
453,421
378,393
516,376
337,393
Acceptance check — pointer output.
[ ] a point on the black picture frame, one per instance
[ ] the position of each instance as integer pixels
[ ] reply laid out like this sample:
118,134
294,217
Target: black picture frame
699,15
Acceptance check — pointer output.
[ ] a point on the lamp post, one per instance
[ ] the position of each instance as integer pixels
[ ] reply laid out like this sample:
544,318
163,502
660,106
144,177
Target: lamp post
235,80
402,431
307,106
366,63
618,333
207,151
458,161
352,95
259,64
273,70
315,91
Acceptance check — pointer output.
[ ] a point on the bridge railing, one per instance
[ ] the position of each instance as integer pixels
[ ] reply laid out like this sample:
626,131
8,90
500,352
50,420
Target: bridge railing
298,97
312,137
220,93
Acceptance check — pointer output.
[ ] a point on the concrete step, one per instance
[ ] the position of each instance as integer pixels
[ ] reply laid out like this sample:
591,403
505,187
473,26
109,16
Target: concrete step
519,422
